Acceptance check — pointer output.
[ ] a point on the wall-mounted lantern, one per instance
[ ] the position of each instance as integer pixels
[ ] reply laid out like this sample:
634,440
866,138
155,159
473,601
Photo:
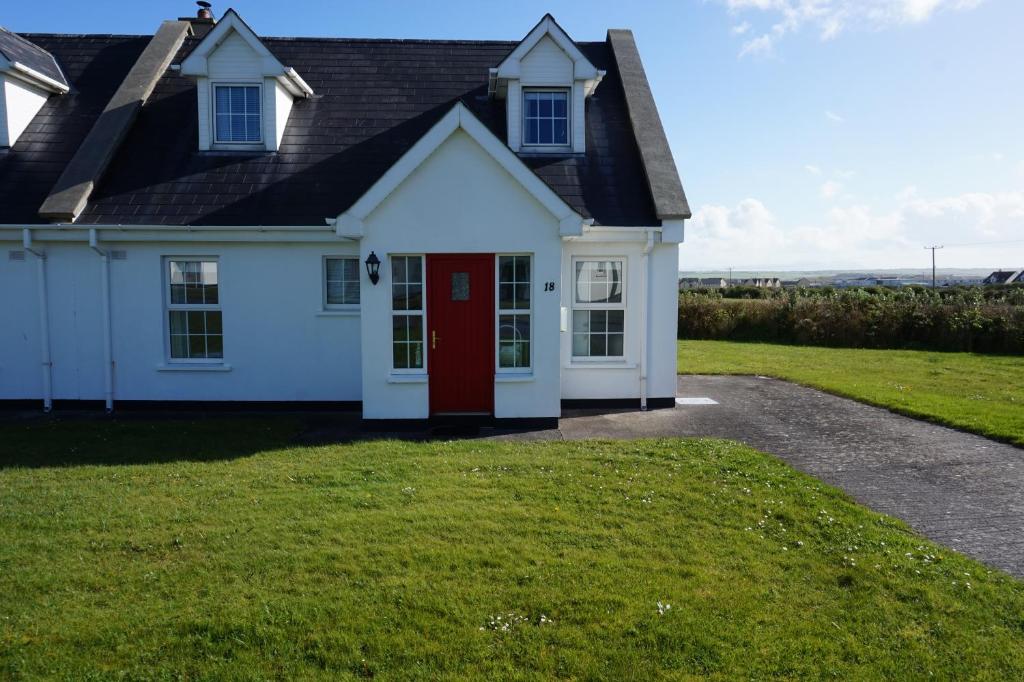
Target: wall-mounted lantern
373,267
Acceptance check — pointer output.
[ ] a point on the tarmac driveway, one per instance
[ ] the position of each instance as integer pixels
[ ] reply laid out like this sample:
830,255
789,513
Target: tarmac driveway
964,491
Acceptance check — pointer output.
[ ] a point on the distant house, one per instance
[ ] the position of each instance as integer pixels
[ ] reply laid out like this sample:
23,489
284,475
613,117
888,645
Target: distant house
801,283
702,283
762,282
1004,277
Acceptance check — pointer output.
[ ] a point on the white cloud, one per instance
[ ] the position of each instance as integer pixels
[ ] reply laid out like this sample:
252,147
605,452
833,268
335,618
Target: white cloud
750,235
830,189
834,117
812,169
740,29
829,18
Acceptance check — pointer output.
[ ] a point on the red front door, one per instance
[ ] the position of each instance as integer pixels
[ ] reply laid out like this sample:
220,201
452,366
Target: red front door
460,333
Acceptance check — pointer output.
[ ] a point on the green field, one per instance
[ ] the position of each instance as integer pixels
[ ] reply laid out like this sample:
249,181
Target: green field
979,393
218,549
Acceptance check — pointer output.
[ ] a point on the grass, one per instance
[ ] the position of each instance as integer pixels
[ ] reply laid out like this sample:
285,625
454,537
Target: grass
979,393
219,549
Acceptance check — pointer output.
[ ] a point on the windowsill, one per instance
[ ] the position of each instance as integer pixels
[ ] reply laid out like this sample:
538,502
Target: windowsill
186,367
407,378
513,377
346,312
229,150
530,150
579,363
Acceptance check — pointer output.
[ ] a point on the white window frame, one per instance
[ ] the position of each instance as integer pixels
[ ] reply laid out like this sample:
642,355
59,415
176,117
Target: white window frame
230,144
422,312
575,305
499,311
323,272
548,146
187,307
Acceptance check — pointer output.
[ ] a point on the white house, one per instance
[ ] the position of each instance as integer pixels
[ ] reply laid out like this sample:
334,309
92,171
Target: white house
411,228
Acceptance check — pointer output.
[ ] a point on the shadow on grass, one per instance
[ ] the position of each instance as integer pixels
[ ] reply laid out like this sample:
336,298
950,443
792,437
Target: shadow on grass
90,440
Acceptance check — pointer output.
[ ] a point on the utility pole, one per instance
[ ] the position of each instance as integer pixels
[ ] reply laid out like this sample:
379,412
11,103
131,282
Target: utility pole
933,249
730,276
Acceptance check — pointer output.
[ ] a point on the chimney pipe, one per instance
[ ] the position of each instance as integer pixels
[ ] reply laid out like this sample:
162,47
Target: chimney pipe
204,10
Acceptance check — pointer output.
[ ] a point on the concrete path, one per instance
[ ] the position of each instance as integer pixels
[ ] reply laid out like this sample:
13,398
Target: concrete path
964,491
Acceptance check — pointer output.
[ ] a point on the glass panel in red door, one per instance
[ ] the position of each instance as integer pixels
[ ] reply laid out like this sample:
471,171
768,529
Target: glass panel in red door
460,333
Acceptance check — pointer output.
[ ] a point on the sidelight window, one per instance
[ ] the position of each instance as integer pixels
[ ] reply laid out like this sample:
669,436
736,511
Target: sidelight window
407,312
514,312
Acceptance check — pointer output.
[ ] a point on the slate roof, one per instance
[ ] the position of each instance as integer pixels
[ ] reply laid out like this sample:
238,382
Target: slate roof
18,49
374,100
94,65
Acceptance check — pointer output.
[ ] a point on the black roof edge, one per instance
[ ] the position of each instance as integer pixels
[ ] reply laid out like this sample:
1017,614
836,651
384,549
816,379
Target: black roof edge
662,175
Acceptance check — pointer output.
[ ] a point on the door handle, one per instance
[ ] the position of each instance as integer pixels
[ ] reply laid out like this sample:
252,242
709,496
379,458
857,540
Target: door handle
433,339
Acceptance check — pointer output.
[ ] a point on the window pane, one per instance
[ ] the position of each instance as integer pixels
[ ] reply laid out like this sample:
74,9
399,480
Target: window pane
351,295
197,347
545,132
545,104
399,325
580,321
415,297
599,282
615,320
532,108
213,322
522,297
351,271
561,131
215,346
335,292
414,269
580,345
506,354
178,322
179,346
506,327
506,268
522,268
415,327
399,297
615,344
506,296
416,355
177,293
559,104
532,131
398,269
598,345
401,356
197,322
460,286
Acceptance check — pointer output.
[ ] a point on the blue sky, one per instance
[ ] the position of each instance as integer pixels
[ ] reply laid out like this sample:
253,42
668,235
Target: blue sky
809,133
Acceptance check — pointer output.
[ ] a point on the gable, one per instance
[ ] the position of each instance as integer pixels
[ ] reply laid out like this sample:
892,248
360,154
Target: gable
546,64
460,193
233,58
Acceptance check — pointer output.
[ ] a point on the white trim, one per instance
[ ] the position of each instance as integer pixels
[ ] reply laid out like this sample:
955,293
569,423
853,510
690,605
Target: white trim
350,223
498,312
408,378
574,305
513,378
547,147
184,367
422,312
342,308
196,64
234,145
168,307
582,68
33,77
353,312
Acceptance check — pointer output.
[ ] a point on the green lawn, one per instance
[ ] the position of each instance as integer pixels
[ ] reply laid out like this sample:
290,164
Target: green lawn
219,549
979,393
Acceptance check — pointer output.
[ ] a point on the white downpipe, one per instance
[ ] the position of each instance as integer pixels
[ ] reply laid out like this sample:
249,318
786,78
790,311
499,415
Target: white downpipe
108,351
645,264
44,319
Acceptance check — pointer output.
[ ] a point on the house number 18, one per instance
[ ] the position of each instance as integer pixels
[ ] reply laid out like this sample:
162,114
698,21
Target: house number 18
549,286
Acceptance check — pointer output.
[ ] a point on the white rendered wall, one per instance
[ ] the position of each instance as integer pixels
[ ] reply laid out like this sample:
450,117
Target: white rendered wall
546,65
585,379
461,201
277,345
19,103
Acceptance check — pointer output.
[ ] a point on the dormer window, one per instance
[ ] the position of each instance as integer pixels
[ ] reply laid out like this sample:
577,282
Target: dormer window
244,94
546,117
545,81
237,114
